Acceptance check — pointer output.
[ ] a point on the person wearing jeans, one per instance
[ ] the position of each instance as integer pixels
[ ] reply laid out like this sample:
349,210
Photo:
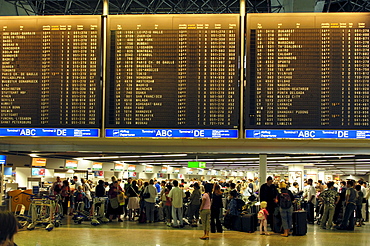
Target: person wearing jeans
348,218
177,195
150,201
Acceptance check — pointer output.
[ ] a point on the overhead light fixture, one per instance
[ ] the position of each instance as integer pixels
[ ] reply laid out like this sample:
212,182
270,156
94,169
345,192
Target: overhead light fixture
34,155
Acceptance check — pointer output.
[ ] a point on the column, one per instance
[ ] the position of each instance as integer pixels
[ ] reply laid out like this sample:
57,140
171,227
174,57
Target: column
263,168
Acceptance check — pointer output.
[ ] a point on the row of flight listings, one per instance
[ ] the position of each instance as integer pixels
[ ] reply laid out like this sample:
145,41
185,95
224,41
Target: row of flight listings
178,76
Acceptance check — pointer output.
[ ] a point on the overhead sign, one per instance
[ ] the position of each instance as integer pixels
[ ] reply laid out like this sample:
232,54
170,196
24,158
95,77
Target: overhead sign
48,132
308,134
97,166
2,159
196,164
170,133
38,162
71,164
118,167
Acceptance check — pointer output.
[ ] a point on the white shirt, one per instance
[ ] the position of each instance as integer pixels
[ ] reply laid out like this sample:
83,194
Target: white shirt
177,195
311,191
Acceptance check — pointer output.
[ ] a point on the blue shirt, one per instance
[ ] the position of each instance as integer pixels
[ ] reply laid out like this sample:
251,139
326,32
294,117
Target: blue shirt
158,186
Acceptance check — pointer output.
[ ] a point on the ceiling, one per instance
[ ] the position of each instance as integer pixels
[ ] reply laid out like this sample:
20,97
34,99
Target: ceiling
333,156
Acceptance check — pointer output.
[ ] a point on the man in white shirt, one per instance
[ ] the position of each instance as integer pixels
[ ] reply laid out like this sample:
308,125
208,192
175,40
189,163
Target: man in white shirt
310,195
176,195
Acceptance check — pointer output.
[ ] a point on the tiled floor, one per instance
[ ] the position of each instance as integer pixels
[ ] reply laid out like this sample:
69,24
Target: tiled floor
158,234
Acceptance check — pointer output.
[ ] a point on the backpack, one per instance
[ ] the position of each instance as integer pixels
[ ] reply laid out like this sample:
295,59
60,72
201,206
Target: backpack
57,188
261,215
239,204
285,200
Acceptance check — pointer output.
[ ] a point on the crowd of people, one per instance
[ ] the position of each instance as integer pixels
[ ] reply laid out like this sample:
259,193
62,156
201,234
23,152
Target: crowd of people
338,205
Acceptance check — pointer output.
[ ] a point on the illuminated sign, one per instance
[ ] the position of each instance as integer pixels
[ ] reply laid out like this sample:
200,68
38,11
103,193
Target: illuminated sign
148,169
97,166
131,168
48,132
38,171
2,159
170,133
118,167
38,162
308,134
71,164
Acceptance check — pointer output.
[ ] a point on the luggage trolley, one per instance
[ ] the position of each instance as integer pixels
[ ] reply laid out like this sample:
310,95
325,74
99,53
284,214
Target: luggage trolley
98,211
43,212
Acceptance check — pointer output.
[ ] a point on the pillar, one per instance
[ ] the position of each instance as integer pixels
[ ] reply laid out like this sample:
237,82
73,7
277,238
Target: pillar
263,168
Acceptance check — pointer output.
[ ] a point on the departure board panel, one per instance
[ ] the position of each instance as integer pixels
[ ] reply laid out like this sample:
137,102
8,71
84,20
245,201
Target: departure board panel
173,71
308,71
50,71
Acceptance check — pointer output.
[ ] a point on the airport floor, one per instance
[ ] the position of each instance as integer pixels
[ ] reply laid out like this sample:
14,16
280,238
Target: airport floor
158,234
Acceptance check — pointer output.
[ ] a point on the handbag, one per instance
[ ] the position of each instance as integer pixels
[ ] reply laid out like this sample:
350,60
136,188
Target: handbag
146,194
121,198
114,202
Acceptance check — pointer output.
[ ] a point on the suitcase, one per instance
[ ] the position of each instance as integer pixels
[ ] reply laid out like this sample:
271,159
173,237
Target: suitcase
249,222
236,223
276,225
299,223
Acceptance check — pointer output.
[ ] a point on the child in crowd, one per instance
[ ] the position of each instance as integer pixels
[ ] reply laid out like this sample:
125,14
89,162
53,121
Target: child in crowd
262,216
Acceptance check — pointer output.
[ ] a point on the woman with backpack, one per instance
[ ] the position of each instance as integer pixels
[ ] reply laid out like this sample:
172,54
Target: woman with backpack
285,201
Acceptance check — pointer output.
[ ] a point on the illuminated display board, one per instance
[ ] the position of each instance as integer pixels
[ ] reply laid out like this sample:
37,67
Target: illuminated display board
173,71
307,71
50,71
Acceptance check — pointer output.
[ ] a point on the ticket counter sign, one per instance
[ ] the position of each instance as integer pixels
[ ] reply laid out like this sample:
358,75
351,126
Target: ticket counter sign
38,162
118,167
97,166
148,169
131,168
71,164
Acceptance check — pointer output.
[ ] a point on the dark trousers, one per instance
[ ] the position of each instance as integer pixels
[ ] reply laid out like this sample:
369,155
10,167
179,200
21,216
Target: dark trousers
310,212
348,218
215,220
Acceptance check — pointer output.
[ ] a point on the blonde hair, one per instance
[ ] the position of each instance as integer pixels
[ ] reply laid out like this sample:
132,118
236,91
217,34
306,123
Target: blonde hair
263,204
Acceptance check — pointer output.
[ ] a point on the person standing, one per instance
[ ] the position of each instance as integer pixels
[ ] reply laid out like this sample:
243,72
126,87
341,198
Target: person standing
56,188
262,216
133,200
176,195
285,201
268,193
330,199
150,201
65,194
359,198
194,205
126,188
350,203
205,210
115,209
100,189
310,195
216,207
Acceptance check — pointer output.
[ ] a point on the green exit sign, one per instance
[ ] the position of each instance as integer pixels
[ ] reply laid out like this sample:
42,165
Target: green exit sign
196,164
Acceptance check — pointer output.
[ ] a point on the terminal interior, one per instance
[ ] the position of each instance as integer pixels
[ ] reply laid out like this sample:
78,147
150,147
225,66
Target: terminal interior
226,159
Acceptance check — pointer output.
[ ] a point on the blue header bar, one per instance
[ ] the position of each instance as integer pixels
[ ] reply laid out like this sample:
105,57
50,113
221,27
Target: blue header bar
2,159
49,132
171,133
308,134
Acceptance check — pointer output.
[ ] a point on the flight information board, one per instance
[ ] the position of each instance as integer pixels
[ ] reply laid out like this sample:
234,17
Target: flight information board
307,71
50,71
173,71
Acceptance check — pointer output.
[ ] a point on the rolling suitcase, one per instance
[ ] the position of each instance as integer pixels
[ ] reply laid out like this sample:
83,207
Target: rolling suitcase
236,223
249,222
299,223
